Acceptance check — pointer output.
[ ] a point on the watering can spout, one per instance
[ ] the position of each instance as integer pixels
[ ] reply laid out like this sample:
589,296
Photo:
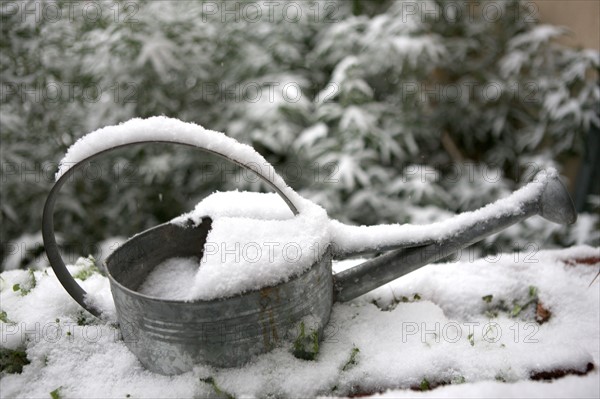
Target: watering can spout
556,204
546,196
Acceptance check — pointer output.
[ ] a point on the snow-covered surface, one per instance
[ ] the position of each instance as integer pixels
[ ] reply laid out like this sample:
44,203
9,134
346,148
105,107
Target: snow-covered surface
172,279
398,348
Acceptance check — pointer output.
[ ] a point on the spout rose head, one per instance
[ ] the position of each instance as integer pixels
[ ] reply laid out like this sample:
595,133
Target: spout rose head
556,204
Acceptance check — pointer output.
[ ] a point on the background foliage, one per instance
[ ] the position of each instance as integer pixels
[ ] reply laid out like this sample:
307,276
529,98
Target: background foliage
381,111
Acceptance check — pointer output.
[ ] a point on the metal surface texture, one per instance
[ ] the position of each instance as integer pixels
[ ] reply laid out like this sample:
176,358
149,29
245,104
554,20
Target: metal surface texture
170,336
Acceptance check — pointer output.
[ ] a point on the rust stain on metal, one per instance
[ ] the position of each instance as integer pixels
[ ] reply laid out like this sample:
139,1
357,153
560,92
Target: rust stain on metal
273,327
269,295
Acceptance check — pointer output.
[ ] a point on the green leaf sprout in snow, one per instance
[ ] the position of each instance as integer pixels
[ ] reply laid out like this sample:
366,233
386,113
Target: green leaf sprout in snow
425,386
218,390
352,360
33,281
471,339
533,291
516,310
28,285
12,361
83,319
88,268
459,380
56,393
306,346
4,317
415,297
518,307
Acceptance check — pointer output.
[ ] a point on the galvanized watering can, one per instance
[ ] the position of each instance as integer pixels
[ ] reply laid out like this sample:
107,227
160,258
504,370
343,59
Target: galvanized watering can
170,336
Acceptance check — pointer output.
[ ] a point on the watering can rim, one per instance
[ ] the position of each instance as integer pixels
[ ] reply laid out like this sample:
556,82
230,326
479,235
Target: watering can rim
327,253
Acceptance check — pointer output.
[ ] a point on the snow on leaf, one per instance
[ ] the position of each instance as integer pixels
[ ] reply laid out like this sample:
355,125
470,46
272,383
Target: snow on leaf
512,63
160,53
350,172
539,34
309,136
357,118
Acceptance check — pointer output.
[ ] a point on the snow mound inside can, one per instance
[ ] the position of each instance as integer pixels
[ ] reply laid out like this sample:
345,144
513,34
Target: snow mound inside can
255,242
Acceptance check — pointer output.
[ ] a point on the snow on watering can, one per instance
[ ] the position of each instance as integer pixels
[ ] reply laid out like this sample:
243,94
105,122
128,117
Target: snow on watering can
236,318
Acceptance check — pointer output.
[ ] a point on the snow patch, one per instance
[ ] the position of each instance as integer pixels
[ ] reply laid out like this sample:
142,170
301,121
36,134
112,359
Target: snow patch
392,355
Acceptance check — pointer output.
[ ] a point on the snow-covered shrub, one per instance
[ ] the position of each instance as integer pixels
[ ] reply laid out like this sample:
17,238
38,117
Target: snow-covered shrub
381,111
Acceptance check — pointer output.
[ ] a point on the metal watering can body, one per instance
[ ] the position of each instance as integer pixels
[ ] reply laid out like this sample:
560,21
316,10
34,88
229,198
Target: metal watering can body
170,336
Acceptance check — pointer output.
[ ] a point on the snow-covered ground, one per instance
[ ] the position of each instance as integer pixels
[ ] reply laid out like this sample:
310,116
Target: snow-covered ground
468,328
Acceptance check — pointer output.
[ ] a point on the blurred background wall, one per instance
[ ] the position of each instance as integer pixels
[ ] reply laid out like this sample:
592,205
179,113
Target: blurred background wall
582,17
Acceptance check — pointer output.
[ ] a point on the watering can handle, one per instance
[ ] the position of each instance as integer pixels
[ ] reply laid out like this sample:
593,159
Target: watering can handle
51,247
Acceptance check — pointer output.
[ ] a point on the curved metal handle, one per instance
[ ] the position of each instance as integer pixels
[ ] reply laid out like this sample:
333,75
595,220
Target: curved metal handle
49,238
